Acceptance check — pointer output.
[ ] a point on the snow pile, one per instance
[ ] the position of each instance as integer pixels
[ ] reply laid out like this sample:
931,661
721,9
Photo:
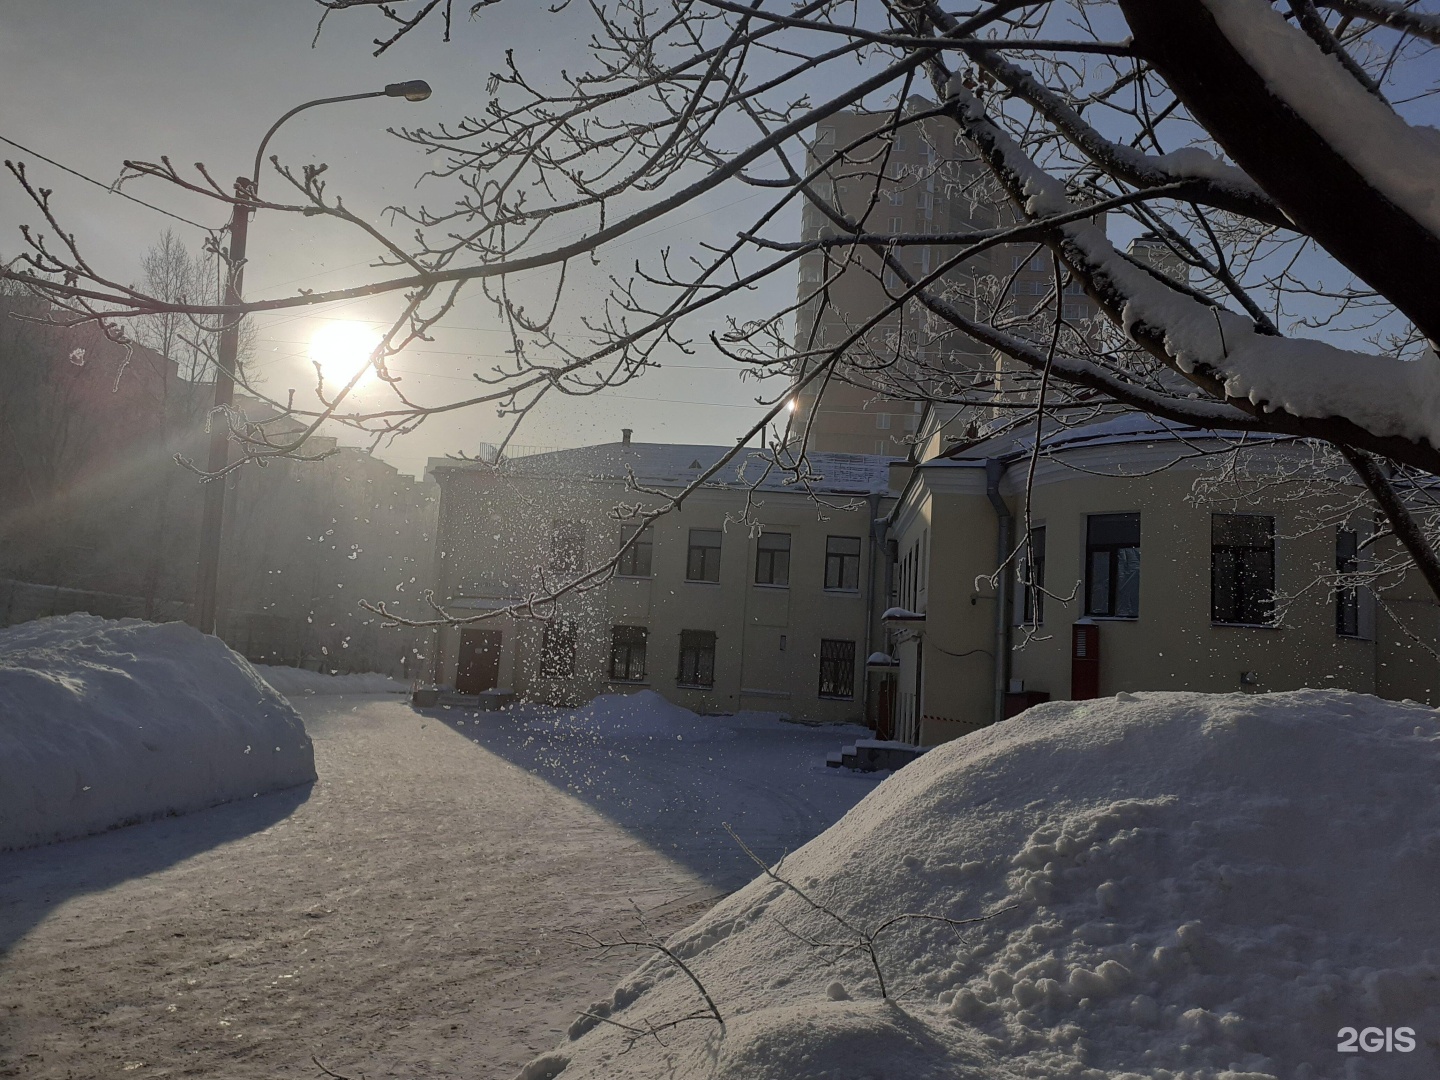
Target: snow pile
104,723
1177,886
289,680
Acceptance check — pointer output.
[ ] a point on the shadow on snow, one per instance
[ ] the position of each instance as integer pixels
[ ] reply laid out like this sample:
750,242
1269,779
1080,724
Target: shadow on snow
767,780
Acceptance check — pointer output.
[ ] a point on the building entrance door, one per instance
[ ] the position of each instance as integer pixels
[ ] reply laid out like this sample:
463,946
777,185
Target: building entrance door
479,666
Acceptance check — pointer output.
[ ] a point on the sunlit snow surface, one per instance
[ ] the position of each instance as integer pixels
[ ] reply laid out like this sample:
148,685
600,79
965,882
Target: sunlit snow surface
105,722
1197,886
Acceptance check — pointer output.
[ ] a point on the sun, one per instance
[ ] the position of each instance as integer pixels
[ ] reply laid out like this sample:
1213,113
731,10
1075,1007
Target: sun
343,348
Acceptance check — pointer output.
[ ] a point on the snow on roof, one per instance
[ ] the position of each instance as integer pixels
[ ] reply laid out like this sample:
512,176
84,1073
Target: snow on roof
1114,429
678,464
1203,881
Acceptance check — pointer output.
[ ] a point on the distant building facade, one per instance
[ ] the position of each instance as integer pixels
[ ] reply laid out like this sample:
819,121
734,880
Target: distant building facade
1130,583
755,594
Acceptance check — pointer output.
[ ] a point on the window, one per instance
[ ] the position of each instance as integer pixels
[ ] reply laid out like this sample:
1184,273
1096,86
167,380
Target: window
627,653
772,559
837,669
703,561
1074,311
1347,597
1242,568
557,648
635,560
897,197
567,545
882,421
842,562
697,658
1112,565
897,225
1032,579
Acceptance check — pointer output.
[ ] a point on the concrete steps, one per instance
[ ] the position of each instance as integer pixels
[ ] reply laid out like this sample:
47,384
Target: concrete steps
873,755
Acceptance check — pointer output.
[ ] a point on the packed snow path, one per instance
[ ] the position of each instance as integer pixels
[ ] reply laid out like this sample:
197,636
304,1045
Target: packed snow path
403,917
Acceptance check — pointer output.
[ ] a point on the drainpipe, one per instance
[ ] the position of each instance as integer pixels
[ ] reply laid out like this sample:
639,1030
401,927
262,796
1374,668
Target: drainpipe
877,537
1005,522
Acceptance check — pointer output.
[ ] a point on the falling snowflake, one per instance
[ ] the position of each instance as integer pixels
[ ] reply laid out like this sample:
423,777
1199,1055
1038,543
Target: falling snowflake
77,357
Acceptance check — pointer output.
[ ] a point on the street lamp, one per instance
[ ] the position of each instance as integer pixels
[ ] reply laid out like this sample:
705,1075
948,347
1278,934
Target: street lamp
246,188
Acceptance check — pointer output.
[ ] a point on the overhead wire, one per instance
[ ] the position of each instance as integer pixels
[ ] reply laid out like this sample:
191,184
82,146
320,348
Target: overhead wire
108,187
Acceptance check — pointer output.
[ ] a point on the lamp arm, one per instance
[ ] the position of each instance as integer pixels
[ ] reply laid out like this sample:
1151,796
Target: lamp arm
260,153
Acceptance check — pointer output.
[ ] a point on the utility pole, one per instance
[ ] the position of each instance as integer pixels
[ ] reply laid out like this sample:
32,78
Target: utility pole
213,521
246,189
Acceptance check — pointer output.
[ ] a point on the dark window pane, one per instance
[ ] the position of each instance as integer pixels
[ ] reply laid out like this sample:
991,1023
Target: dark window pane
772,559
1099,583
1242,568
703,560
635,560
627,652
567,546
1114,530
1032,578
697,658
557,648
842,562
1347,597
1127,582
1112,565
837,669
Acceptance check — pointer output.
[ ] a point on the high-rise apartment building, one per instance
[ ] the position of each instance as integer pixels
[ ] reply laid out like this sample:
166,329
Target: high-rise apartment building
915,182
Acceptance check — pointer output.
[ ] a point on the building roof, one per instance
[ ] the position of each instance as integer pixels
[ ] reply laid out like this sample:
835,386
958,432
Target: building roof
667,465
1128,427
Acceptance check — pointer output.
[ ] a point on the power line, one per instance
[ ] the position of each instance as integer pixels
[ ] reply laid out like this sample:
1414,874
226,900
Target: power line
107,187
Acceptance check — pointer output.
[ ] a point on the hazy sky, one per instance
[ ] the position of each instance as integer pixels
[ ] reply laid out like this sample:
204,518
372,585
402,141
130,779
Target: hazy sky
93,82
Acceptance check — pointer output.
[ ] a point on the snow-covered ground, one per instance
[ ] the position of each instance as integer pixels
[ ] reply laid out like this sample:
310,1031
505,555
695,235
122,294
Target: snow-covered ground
294,681
623,754
404,917
105,722
1170,886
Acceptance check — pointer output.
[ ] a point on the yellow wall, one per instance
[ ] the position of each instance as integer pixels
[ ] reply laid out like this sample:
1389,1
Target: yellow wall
496,531
1173,644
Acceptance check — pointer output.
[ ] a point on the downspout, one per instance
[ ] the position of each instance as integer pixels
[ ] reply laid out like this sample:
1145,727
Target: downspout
878,528
1005,522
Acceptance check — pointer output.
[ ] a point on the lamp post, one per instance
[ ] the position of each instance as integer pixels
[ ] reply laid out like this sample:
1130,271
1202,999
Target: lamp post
245,190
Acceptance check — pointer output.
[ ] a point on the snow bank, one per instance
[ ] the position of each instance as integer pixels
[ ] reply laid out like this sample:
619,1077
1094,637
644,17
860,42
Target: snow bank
104,723
1179,885
289,680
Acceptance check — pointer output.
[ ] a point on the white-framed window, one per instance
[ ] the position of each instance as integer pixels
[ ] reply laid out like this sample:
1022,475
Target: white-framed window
882,421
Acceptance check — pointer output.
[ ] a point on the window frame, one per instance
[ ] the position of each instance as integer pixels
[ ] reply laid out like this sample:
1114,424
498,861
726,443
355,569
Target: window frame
568,647
639,638
705,567
563,560
761,551
842,556
835,667
1354,597
1030,575
1234,562
1112,551
700,643
631,557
